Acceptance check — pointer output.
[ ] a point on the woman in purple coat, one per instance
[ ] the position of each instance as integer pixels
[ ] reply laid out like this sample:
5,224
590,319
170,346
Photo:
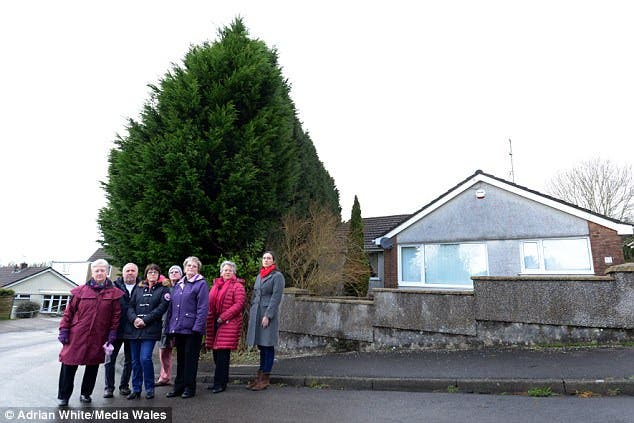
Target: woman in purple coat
186,319
89,323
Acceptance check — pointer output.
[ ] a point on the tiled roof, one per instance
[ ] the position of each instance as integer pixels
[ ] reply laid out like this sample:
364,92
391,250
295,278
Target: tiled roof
373,227
100,253
8,274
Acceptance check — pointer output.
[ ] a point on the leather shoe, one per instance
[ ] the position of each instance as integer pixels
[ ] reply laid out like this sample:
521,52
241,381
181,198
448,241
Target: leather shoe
108,393
217,389
125,391
62,403
162,383
85,398
172,394
149,395
187,394
134,395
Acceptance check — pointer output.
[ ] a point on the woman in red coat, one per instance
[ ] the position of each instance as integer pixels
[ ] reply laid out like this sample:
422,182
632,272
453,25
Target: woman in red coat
224,321
90,322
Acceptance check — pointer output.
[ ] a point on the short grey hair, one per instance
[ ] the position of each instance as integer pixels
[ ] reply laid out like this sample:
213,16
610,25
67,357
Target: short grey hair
99,263
131,265
195,260
230,264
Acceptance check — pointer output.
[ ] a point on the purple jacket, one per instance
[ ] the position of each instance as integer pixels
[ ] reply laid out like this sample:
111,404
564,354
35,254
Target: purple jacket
188,307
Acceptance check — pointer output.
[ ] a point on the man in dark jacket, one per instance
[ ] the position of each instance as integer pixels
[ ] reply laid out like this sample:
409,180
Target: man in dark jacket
127,284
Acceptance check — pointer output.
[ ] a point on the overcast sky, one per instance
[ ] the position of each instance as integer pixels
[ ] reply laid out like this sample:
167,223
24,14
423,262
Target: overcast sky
402,99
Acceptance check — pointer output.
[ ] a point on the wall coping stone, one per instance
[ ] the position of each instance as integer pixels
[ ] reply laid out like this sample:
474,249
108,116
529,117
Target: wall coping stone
335,300
553,278
295,291
426,291
621,268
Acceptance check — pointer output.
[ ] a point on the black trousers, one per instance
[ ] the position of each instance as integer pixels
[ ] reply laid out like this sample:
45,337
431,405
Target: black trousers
222,359
127,365
67,380
187,355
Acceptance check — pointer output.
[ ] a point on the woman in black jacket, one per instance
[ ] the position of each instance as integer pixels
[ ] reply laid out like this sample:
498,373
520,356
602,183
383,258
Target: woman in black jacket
147,305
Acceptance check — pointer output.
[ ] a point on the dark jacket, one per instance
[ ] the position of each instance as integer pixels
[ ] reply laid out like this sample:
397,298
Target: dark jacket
124,301
188,308
149,304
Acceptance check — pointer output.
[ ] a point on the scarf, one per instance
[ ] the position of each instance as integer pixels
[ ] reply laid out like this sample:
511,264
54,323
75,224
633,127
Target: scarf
265,271
221,286
94,285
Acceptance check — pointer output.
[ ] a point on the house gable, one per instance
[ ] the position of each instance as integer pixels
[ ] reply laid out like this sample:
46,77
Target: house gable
44,281
481,179
499,215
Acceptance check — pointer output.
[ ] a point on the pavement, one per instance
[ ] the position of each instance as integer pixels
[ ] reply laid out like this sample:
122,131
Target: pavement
601,370
566,371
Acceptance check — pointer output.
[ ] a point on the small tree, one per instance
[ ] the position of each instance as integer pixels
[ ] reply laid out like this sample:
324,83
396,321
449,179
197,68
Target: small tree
356,269
311,252
598,185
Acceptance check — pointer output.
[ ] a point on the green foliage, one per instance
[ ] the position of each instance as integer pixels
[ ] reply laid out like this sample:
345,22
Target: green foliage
214,162
315,384
318,186
5,292
453,389
27,309
540,392
356,268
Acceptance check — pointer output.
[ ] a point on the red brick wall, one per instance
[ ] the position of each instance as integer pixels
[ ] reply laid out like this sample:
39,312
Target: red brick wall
604,242
390,266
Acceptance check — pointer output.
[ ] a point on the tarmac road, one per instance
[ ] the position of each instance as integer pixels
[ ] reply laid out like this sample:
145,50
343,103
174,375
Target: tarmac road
29,375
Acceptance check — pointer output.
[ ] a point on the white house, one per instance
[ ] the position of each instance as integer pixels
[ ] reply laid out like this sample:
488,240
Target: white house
43,285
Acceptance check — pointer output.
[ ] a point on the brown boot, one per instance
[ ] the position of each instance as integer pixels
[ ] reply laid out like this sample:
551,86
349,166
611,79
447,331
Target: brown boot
263,383
258,376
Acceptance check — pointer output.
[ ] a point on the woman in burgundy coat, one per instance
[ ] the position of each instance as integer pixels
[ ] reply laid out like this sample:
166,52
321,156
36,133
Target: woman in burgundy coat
90,322
224,321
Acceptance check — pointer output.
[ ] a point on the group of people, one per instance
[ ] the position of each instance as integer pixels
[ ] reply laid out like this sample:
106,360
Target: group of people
177,310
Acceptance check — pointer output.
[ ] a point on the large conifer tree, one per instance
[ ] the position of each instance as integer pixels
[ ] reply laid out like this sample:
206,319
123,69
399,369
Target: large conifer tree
214,161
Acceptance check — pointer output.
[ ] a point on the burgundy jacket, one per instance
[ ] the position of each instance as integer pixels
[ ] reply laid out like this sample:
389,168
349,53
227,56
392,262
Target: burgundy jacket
90,316
232,298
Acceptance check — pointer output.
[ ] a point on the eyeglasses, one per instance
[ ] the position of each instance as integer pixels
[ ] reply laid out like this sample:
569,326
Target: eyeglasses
152,272
174,271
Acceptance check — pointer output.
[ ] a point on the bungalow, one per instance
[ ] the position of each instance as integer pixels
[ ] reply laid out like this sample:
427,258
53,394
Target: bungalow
487,226
42,285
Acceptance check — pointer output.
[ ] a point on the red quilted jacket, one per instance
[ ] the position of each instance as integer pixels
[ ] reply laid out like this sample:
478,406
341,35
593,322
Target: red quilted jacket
231,308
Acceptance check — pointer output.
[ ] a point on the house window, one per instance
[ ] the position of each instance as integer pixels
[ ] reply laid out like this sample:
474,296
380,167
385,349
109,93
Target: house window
373,258
570,256
54,303
442,265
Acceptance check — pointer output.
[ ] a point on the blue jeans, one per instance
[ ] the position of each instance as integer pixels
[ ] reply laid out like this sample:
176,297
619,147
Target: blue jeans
267,358
142,366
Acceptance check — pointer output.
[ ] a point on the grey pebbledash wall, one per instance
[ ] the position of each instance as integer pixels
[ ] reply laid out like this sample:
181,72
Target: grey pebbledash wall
500,311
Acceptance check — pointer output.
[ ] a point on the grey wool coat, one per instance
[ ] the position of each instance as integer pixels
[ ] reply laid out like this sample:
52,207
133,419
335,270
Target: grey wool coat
266,300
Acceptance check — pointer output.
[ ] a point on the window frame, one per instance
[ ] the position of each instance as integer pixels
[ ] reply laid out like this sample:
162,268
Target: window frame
542,263
58,300
423,283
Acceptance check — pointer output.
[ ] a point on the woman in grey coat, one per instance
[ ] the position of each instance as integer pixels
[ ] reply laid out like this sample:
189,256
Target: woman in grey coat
264,318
